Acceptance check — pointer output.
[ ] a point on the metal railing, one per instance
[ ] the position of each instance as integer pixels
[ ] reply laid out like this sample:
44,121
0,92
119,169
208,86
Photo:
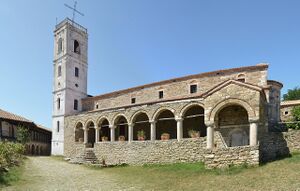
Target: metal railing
74,24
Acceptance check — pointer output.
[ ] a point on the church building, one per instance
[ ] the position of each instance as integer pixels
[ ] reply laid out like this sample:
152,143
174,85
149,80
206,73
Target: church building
202,117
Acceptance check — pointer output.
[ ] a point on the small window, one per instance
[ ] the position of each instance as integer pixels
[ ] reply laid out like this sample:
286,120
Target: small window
59,46
241,78
97,106
75,104
76,85
76,72
161,94
59,71
58,103
58,126
286,113
133,100
76,47
193,88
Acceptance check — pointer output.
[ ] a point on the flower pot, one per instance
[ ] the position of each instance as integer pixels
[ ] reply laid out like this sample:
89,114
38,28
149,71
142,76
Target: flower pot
121,138
195,135
104,139
165,137
80,140
141,138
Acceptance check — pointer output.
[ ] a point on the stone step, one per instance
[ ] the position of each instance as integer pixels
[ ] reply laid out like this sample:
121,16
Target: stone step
86,157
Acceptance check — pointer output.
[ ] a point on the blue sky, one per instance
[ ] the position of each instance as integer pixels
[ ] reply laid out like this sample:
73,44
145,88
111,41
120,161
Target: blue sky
133,42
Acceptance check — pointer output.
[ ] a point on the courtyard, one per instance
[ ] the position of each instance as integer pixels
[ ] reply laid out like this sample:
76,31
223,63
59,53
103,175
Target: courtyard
53,173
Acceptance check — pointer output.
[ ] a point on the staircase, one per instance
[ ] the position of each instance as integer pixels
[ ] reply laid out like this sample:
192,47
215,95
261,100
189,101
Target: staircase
86,157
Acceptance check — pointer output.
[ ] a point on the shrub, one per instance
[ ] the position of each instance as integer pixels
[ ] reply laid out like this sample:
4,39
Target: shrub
296,118
23,135
11,154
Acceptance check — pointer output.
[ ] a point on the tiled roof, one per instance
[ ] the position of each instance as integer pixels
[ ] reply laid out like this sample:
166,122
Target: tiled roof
201,75
290,103
14,117
10,116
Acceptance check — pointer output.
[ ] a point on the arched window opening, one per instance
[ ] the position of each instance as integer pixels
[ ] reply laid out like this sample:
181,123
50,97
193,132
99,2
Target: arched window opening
141,127
91,134
104,134
59,71
58,103
79,133
75,104
241,78
59,45
233,124
166,126
193,122
76,47
121,131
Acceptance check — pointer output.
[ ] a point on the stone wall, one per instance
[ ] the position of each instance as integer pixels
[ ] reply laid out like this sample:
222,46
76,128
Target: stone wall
292,138
148,152
226,157
176,88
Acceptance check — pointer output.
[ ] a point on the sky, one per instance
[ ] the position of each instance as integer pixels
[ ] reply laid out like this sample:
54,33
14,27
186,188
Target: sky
134,42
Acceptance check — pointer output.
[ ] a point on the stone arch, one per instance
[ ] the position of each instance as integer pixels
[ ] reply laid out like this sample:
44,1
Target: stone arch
91,133
232,122
136,114
160,110
120,122
141,126
32,150
166,124
224,103
193,125
185,108
104,131
88,123
79,132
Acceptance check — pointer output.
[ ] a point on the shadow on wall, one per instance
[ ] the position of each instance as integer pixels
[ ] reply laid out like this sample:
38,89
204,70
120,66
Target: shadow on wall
273,146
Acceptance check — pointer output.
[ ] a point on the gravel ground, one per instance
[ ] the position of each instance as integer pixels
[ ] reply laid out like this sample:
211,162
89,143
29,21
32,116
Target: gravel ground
49,174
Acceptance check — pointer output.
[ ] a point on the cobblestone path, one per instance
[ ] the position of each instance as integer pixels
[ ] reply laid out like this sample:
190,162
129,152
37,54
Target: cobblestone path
49,174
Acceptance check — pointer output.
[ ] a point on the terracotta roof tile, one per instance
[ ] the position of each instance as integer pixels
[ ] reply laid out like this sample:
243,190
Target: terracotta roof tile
14,117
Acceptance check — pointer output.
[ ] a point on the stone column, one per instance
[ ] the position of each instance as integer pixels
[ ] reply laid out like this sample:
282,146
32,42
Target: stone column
253,133
210,136
153,130
179,128
130,132
85,135
112,133
97,134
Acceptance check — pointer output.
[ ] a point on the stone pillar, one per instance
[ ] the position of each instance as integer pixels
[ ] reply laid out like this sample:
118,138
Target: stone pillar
85,135
253,133
179,129
153,130
210,136
130,132
97,134
112,133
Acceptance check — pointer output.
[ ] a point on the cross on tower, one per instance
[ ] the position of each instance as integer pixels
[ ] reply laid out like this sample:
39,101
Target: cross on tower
74,10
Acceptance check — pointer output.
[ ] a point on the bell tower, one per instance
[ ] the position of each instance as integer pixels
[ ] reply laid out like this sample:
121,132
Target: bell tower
69,77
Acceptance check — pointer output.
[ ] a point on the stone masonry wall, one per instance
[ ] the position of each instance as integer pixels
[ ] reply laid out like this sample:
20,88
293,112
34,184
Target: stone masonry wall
148,152
292,138
226,157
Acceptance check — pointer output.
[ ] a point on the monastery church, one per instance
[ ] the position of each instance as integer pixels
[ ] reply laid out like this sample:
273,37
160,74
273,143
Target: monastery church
221,118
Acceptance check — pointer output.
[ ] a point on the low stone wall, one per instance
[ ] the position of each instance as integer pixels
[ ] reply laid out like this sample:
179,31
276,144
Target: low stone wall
292,138
75,150
148,152
226,157
273,146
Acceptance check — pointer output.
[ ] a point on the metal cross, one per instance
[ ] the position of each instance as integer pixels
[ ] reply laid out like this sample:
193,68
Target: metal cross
74,10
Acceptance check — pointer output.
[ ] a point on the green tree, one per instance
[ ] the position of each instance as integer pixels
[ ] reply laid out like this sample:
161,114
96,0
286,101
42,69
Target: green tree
296,118
292,94
23,135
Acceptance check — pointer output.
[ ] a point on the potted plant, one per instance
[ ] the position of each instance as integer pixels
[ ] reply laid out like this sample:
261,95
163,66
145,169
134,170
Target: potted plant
165,136
141,135
194,134
104,139
80,140
121,138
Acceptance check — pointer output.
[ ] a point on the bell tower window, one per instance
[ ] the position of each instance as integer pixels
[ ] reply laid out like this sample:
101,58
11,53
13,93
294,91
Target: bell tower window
76,47
59,71
59,47
76,72
75,104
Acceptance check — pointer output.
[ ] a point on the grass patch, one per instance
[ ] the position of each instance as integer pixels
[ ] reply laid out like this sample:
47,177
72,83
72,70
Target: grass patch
13,175
57,157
